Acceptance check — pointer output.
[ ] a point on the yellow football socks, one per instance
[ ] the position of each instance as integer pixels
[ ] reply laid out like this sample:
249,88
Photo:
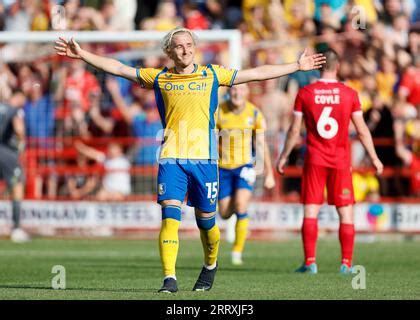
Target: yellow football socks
168,239
241,230
210,239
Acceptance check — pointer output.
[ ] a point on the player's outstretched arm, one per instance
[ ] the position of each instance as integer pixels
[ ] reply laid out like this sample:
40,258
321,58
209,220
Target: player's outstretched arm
305,62
73,50
291,139
366,139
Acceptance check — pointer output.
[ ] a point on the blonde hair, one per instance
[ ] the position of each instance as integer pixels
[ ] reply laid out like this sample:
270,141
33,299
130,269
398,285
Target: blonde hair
167,39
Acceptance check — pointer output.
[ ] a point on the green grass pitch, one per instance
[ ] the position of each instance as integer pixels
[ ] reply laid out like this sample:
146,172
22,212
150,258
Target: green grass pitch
130,269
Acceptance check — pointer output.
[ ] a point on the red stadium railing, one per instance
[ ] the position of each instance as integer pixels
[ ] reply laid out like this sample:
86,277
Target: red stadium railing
52,156
36,161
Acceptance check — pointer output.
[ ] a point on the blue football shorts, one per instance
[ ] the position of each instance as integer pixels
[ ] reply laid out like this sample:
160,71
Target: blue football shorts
239,178
197,178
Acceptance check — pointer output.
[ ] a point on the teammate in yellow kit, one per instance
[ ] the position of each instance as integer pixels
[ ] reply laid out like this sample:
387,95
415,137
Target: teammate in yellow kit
187,98
242,145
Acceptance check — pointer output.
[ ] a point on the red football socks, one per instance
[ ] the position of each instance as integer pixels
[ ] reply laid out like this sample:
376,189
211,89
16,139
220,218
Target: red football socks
346,234
309,237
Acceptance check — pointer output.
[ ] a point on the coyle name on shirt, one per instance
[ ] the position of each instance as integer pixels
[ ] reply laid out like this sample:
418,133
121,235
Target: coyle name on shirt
327,99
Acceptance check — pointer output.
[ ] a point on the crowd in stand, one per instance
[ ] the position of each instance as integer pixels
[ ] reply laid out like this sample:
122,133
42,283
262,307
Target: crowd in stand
378,41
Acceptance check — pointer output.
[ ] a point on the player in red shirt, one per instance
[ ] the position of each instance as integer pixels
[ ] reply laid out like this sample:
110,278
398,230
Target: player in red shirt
327,106
77,89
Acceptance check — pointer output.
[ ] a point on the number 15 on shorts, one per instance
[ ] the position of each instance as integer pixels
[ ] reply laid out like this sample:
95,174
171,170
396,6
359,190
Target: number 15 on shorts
211,190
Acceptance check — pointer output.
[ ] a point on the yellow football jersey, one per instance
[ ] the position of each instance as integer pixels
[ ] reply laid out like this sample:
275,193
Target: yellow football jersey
187,104
236,132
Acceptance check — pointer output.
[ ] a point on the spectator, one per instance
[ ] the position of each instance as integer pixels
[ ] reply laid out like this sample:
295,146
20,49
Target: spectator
368,92
409,90
386,79
145,10
366,187
71,10
415,17
75,124
39,124
255,13
194,19
8,80
354,80
40,20
39,114
401,26
78,87
330,12
380,122
231,13
99,123
116,184
125,11
84,184
297,14
144,120
76,90
366,184
411,159
275,105
391,9
113,15
214,9
412,127
18,17
165,19
414,43
87,19
2,17
24,78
